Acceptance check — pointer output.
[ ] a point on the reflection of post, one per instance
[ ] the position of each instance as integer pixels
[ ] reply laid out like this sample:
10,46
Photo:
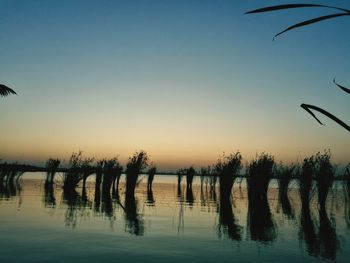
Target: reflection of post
49,197
189,176
189,196
150,197
97,197
107,205
180,199
227,225
133,221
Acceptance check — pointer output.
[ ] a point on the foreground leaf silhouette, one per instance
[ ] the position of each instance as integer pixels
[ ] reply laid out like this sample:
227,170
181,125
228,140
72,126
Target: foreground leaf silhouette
345,12
5,91
309,107
342,87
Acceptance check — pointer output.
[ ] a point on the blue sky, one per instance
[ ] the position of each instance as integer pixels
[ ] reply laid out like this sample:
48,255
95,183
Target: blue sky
184,80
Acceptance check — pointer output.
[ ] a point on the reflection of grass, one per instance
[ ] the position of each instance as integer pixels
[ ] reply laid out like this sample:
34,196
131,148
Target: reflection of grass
285,173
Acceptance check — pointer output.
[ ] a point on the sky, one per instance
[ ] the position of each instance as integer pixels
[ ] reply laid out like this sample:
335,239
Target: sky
183,80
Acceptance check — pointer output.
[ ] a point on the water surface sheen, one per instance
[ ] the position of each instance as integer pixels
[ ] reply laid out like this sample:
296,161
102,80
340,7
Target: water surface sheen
168,224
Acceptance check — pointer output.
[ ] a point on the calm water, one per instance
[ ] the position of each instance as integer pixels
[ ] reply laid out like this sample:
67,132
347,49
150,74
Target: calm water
169,224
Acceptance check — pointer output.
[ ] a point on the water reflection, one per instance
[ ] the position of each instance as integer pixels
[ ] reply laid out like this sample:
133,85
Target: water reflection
189,196
316,228
77,206
133,219
49,196
260,224
227,222
150,198
319,235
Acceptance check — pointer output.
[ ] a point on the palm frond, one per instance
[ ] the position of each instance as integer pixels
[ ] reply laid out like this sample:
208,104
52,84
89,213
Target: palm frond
311,21
5,91
289,6
342,87
309,107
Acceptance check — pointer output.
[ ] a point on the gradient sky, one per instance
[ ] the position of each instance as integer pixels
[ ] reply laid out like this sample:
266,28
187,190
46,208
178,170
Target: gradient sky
183,80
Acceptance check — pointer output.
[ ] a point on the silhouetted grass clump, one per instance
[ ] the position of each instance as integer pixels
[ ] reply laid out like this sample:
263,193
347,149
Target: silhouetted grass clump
78,169
135,165
259,175
227,168
260,223
324,176
305,179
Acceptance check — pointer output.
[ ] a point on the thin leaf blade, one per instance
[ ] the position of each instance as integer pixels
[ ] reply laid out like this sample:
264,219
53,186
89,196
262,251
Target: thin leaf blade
309,107
311,21
342,87
291,6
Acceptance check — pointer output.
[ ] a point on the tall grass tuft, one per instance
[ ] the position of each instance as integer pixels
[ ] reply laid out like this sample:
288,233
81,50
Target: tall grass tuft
260,223
259,175
135,165
227,168
305,180
78,169
324,176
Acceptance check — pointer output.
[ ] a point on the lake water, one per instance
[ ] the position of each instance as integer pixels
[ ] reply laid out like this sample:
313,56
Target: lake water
169,224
